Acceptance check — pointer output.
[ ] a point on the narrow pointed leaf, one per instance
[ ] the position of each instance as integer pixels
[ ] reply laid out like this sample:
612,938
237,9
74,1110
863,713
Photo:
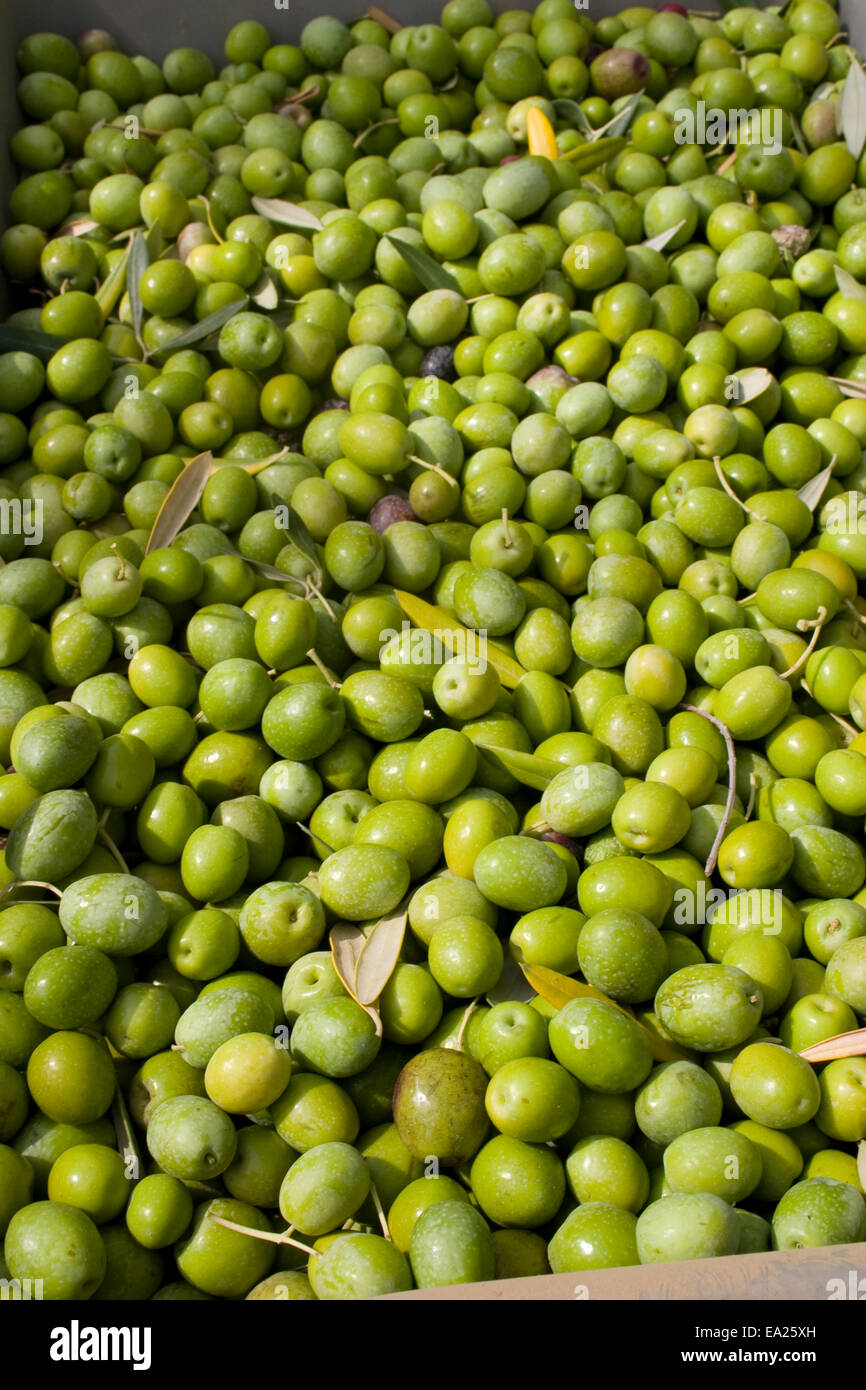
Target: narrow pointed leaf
379,956
528,768
572,111
301,538
347,942
138,263
456,638
180,500
113,286
432,275
512,984
851,288
753,384
203,329
856,389
289,214
660,241
861,1163
620,123
558,990
32,340
154,243
264,293
596,152
851,108
276,576
812,492
80,227
851,1044
127,1141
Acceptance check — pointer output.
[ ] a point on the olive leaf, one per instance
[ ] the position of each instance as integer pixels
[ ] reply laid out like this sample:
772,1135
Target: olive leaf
848,286
851,108
276,576
841,1045
812,491
660,241
456,638
79,227
347,942
528,768
620,123
559,990
798,136
379,956
180,500
861,1163
595,152
41,345
113,285
857,389
154,241
301,538
264,293
732,773
572,111
753,384
127,1141
138,263
203,329
512,984
432,275
288,214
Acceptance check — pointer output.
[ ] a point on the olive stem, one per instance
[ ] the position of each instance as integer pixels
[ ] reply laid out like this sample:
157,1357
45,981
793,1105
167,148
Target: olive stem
434,468
317,661
312,587
382,17
276,1237
732,785
377,125
817,628
106,839
380,1211
29,883
717,464
464,1021
506,529
307,831
855,611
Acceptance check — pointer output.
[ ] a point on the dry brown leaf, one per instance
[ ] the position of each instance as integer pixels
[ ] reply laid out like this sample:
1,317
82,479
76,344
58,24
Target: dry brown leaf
661,239
812,492
180,501
852,1044
378,957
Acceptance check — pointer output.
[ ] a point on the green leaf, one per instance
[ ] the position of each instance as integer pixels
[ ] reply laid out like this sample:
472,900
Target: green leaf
180,500
276,576
138,263
288,214
301,538
528,768
264,293
661,239
851,108
15,339
851,288
588,157
572,111
113,286
812,492
203,329
432,275
619,124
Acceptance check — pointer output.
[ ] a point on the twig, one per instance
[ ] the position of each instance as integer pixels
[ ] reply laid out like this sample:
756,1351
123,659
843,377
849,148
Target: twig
276,1238
807,651
317,661
732,785
380,1211
464,1021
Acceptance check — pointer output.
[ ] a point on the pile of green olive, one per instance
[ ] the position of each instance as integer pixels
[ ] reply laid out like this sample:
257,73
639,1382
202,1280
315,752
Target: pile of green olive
432,668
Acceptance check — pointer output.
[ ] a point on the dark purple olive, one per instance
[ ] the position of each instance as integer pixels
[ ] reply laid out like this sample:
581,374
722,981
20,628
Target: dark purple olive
335,403
388,510
438,361
619,72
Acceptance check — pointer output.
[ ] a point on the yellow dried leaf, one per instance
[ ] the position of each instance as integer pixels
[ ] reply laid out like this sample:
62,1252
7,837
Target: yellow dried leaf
558,990
457,639
540,132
